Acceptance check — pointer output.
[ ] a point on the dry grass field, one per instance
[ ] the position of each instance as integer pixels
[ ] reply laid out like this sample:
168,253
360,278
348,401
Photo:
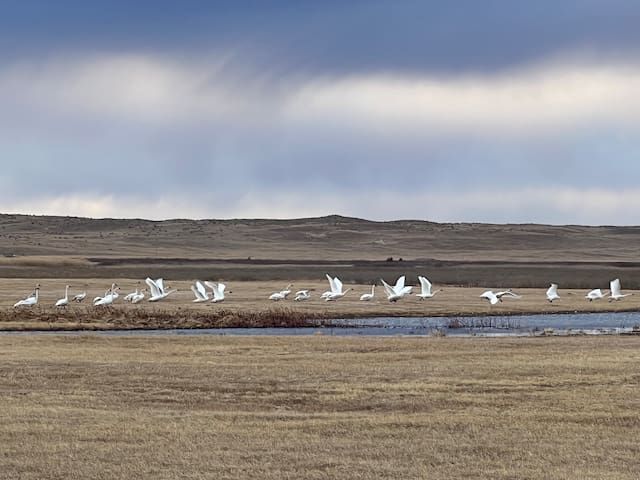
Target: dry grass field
314,407
359,251
317,407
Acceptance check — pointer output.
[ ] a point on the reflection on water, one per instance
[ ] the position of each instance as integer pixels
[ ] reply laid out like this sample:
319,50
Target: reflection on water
519,325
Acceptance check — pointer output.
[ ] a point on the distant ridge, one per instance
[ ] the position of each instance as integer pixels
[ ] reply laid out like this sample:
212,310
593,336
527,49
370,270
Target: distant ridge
330,237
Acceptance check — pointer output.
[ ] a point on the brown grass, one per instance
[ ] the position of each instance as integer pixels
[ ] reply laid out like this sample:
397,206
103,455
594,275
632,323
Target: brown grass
77,407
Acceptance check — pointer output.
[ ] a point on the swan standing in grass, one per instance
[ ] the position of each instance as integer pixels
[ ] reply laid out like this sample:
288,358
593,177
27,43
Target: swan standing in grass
287,290
137,298
200,292
218,291
398,291
595,294
64,301
80,297
302,295
335,286
128,297
616,291
552,292
277,296
157,289
367,297
30,301
332,297
495,297
109,297
425,288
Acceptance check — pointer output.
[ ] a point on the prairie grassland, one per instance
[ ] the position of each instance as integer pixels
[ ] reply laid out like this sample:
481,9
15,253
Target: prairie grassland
248,303
79,407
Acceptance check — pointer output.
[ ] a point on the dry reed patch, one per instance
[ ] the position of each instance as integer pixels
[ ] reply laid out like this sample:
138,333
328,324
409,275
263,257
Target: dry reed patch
318,407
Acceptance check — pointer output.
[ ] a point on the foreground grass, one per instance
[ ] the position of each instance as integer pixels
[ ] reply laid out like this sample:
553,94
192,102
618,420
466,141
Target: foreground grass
318,407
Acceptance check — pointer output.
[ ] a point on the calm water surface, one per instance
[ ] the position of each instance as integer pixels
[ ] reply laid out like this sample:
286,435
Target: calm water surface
589,323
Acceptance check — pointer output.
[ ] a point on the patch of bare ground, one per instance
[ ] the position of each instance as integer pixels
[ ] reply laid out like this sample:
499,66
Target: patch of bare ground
318,407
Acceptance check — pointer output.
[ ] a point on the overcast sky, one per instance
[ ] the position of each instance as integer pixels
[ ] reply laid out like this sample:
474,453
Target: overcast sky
465,110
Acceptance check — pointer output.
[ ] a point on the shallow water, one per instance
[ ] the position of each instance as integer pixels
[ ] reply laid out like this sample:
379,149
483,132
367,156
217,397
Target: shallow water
519,325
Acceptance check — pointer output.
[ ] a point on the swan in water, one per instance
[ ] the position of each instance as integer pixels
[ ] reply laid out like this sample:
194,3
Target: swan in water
80,297
335,286
398,291
64,301
332,297
495,297
302,295
200,292
425,288
137,298
552,292
30,301
367,297
616,291
595,294
157,289
218,290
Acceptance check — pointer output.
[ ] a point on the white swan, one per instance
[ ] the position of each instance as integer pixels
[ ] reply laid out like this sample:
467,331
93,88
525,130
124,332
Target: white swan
30,301
335,286
595,294
110,292
398,291
80,297
302,295
495,297
218,291
332,297
552,292
129,296
367,297
109,297
287,290
425,288
157,289
616,291
137,298
200,292
277,296
63,302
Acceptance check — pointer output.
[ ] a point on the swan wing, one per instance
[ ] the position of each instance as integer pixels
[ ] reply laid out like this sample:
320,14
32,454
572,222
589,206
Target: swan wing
399,286
200,287
425,285
338,285
388,288
155,292
552,291
616,290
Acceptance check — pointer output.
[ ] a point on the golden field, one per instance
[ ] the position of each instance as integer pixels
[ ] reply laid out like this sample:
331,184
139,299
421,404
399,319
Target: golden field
317,407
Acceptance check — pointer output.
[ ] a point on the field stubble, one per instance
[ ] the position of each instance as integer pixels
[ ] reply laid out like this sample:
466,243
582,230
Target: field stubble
318,407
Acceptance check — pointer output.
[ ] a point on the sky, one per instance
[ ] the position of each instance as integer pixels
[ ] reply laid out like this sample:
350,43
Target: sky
451,111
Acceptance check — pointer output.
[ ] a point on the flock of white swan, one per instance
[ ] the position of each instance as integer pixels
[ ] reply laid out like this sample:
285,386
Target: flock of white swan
157,291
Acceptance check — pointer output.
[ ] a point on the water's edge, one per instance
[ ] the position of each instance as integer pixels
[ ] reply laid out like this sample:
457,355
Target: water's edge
487,326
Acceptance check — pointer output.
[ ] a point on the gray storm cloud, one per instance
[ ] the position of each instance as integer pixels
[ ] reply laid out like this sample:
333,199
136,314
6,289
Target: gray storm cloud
539,129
